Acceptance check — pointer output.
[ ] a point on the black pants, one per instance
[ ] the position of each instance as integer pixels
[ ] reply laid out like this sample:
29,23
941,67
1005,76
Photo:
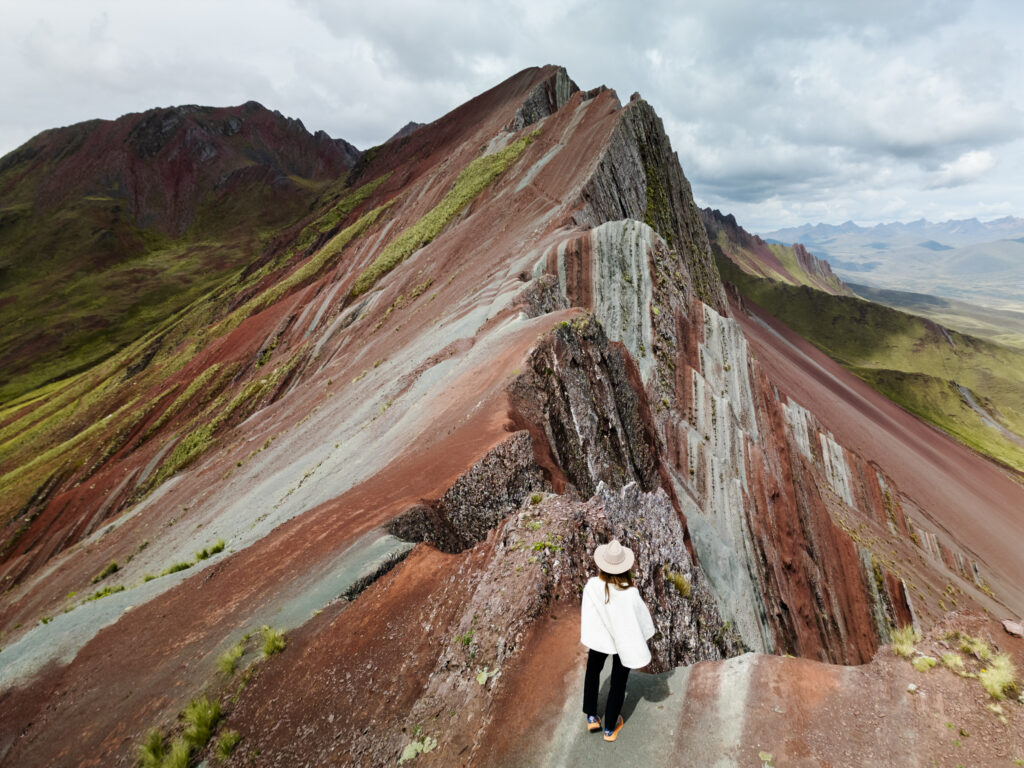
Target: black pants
592,682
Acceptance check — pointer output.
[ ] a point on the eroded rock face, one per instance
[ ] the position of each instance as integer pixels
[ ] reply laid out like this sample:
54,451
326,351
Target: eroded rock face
754,479
545,99
479,500
589,420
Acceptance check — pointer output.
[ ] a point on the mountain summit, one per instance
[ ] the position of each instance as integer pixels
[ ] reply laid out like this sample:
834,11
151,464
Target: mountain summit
109,226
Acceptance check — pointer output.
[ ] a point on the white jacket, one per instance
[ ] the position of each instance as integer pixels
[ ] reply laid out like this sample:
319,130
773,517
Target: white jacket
622,625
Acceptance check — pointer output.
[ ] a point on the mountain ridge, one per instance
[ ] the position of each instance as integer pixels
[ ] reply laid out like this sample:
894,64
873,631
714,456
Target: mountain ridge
396,436
1005,227
790,264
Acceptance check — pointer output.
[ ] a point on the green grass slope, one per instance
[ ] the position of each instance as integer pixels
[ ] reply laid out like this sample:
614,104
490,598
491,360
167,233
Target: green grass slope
108,228
910,360
1002,326
790,264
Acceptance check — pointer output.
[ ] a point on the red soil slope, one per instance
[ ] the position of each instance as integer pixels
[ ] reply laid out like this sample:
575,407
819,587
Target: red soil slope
963,496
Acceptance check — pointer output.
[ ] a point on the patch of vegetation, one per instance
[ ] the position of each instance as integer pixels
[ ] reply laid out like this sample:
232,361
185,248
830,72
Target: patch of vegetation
309,271
337,213
536,498
417,748
207,552
228,660
99,594
976,647
200,439
924,663
182,566
999,677
473,180
953,661
201,716
904,639
679,581
226,744
548,544
152,751
190,395
485,674
112,567
273,641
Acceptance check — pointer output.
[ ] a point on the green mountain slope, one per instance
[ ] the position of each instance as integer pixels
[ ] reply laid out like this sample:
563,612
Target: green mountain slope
1002,326
790,264
971,388
108,228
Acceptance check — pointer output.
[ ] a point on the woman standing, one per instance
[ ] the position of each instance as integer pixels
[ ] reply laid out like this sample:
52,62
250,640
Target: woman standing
614,620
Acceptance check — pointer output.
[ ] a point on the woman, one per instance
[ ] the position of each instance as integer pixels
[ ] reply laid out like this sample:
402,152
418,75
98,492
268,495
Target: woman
614,620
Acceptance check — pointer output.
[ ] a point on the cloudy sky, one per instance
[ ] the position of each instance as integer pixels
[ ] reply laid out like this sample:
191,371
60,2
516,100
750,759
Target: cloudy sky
782,112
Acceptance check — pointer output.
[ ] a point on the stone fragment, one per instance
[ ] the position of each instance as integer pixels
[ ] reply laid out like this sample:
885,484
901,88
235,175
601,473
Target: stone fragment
1015,628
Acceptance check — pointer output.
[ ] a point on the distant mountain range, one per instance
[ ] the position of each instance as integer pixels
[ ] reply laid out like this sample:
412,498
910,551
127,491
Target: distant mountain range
948,233
924,257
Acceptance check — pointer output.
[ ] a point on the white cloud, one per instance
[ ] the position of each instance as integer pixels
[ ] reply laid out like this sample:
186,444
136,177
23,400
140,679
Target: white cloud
970,166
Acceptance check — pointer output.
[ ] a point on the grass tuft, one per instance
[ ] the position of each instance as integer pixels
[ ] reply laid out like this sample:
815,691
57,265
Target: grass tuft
178,756
903,640
999,678
206,552
976,647
201,715
226,744
151,751
101,593
182,566
679,581
924,663
112,567
228,660
273,641
953,661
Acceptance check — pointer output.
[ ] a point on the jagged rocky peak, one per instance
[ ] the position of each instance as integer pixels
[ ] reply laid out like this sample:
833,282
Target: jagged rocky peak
790,264
544,99
405,130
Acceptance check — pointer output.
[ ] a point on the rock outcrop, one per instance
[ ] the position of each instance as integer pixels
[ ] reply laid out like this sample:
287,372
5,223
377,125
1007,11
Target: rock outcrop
791,264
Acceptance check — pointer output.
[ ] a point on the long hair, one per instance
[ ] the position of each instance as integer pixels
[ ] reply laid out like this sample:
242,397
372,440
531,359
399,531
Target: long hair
620,580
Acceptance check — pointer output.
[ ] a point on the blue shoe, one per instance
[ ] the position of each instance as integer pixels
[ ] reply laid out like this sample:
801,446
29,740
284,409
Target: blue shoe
613,735
593,723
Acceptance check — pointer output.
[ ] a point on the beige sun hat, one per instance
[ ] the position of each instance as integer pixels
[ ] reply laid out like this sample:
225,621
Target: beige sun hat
613,557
